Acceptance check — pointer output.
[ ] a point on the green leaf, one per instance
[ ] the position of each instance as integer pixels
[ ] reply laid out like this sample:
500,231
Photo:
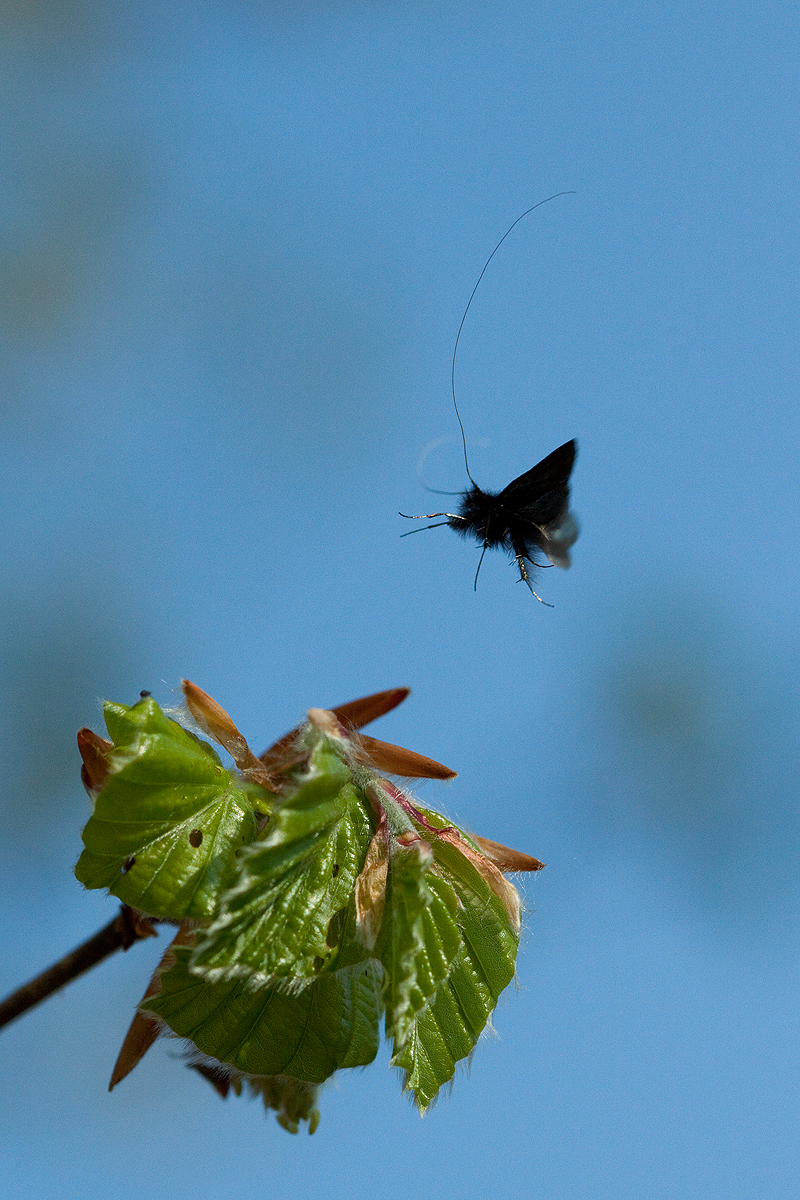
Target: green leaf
293,1100
332,1023
302,940
447,1029
277,920
419,937
482,917
169,819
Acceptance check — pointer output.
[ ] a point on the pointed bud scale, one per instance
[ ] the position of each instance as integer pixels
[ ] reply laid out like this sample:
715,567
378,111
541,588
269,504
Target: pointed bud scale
396,760
213,720
507,859
359,713
144,1030
94,750
142,1033
353,715
220,1082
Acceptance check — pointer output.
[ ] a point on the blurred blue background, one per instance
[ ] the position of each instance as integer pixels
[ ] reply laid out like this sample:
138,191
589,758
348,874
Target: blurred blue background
237,240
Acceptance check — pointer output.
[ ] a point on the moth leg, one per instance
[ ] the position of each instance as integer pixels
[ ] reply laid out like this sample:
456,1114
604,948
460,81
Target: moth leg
422,528
427,516
480,560
525,577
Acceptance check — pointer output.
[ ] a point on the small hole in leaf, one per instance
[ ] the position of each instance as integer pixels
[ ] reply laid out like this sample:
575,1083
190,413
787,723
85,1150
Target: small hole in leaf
335,870
195,838
318,964
126,866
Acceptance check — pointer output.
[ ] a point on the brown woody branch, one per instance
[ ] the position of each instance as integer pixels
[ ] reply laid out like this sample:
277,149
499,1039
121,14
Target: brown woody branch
120,934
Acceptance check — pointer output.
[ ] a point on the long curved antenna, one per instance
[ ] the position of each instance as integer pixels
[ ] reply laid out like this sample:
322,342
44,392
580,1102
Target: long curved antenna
461,326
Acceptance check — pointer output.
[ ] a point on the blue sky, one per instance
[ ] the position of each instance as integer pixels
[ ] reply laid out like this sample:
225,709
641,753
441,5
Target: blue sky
236,244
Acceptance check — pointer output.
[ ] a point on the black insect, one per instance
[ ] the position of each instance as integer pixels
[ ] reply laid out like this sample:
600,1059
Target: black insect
532,513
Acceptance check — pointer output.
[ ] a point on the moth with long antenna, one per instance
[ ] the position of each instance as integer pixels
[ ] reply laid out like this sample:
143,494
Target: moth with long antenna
532,513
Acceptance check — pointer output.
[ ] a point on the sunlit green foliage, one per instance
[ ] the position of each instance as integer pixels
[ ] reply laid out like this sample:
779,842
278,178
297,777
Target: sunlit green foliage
310,905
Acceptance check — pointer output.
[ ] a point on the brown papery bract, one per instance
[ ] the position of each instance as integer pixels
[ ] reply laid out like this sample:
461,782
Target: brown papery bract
507,859
94,750
353,715
144,1030
213,720
396,760
370,893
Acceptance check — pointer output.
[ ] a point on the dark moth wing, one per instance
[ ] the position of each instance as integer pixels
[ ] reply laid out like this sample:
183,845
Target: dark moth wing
537,510
541,495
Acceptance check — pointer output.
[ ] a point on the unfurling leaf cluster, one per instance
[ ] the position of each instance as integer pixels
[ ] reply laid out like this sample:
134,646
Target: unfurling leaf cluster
313,897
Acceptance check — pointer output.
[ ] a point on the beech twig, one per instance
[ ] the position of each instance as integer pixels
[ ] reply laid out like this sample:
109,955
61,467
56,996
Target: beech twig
120,934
